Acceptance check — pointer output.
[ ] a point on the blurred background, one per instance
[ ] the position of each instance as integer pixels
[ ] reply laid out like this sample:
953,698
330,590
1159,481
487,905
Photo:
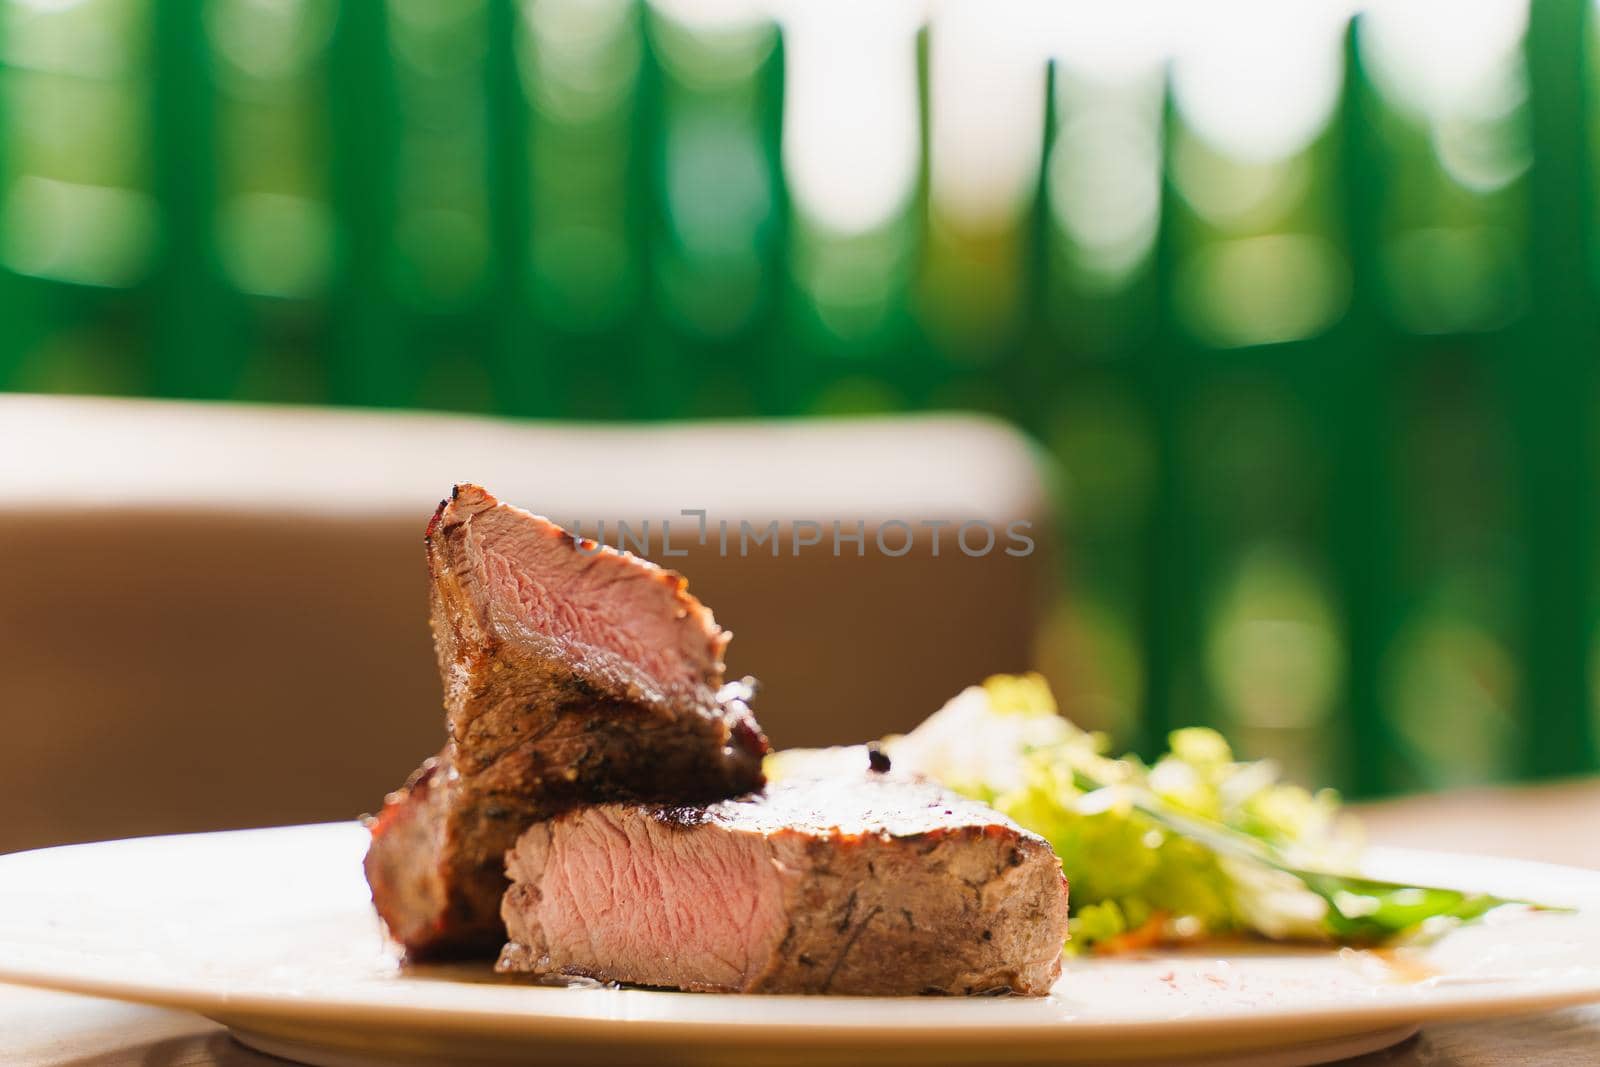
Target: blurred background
1299,301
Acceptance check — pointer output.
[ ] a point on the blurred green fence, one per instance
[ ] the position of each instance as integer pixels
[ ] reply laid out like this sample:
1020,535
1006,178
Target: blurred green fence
1309,321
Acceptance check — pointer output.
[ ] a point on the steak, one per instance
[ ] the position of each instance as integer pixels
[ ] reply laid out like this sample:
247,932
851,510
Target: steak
573,673
872,884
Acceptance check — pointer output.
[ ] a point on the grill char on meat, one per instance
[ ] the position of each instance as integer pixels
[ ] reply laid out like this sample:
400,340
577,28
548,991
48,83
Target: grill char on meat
875,884
572,674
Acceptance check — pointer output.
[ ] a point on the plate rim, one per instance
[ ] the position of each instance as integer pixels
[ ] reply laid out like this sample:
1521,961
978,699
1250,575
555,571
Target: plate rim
494,1021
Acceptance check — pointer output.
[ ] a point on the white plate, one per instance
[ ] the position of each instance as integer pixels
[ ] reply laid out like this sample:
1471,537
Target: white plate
271,932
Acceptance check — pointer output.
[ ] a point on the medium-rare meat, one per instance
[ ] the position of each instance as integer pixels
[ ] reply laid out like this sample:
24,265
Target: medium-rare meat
866,884
572,674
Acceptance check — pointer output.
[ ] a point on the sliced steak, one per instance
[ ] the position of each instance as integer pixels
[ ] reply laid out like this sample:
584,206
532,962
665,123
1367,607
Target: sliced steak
869,884
572,673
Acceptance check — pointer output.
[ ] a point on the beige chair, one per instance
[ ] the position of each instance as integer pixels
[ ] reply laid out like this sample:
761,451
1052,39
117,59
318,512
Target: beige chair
214,615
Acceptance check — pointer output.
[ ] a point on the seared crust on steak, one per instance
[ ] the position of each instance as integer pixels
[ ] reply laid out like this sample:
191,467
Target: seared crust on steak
874,884
572,673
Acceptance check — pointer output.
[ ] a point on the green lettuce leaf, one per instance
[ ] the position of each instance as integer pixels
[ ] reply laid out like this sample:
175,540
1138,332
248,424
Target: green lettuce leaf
1197,845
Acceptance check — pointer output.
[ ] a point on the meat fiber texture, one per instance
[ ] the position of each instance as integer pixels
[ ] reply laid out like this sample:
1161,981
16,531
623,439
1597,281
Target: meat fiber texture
573,673
875,885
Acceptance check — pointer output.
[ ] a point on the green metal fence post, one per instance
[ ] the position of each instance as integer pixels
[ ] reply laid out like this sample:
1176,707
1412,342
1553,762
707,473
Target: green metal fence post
194,352
1359,438
521,381
12,332
772,341
1553,398
1038,364
912,359
366,364
1166,364
657,387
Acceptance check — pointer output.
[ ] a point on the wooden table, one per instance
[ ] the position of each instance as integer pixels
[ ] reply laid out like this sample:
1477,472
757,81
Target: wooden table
1551,823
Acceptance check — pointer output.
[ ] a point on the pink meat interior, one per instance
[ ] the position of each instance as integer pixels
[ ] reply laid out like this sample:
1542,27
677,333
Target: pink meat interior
611,613
628,894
